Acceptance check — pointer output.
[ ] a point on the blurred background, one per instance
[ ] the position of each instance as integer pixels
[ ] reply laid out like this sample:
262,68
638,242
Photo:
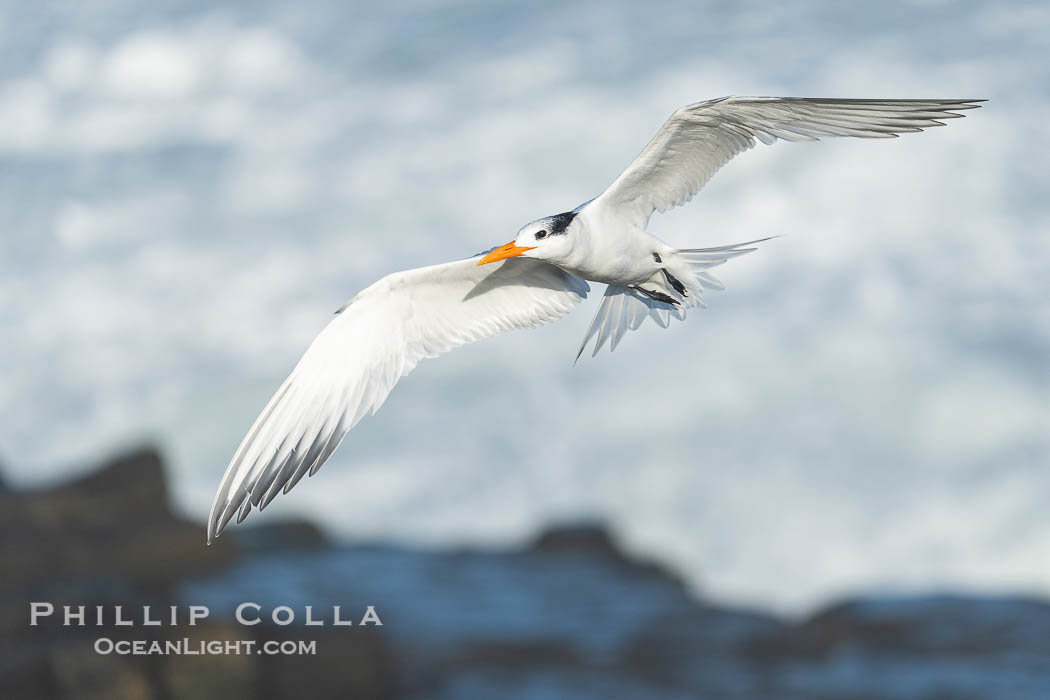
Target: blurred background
190,189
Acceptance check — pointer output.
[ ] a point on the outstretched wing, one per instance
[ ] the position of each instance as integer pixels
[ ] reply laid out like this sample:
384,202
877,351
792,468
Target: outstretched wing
375,339
699,139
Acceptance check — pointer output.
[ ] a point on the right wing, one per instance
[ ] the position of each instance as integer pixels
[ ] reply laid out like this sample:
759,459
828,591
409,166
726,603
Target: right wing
377,338
699,139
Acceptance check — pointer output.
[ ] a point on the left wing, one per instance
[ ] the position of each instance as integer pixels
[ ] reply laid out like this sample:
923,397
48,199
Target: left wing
377,338
699,139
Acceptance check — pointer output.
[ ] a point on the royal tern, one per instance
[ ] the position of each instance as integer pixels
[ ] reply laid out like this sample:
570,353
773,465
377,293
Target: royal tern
382,333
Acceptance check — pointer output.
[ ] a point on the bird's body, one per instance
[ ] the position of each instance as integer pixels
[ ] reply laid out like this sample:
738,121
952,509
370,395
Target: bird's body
385,330
626,256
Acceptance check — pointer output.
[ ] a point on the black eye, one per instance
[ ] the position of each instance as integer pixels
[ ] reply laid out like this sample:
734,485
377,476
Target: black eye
540,235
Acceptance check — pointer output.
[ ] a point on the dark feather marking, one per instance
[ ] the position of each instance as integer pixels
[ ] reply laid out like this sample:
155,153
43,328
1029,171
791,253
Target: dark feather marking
560,222
675,282
658,296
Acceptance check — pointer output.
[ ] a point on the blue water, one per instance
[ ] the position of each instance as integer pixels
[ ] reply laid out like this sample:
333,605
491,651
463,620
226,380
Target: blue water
542,625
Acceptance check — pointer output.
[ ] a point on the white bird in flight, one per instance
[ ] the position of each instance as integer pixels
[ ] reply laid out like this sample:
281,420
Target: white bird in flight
382,333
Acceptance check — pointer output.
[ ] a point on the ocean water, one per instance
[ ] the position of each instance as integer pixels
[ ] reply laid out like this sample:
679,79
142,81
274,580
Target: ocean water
190,189
578,623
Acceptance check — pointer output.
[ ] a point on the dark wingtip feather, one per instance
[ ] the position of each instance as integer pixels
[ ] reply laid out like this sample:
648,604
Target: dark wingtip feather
246,508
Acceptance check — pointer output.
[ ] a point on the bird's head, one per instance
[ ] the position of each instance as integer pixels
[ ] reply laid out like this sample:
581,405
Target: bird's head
549,238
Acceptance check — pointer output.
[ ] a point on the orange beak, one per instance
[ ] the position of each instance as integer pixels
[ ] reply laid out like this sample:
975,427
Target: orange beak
506,251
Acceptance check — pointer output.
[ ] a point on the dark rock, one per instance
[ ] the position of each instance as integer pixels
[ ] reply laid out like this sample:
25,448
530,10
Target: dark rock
81,674
110,538
115,523
917,647
347,664
290,535
582,537
218,677
572,615
917,626
593,539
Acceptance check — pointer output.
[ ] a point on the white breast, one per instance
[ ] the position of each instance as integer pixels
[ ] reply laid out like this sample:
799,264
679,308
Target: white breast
608,249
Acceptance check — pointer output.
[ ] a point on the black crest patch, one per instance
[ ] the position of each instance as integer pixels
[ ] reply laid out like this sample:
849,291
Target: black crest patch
560,222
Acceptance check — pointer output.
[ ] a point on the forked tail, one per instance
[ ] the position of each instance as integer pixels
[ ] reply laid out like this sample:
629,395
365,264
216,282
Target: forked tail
624,309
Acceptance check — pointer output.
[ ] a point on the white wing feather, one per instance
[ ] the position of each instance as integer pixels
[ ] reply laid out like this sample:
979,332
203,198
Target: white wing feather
377,338
699,139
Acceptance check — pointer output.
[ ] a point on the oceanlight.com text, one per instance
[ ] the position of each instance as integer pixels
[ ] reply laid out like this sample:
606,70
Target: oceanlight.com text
187,647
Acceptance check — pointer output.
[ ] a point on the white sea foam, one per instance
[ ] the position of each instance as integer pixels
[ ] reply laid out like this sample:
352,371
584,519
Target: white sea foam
186,202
